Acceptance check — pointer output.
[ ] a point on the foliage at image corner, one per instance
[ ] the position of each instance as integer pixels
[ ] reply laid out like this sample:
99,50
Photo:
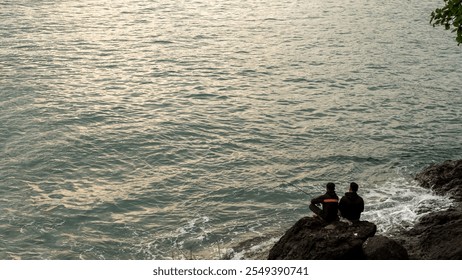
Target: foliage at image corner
449,16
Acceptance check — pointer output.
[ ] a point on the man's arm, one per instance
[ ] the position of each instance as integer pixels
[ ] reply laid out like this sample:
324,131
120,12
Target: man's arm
317,200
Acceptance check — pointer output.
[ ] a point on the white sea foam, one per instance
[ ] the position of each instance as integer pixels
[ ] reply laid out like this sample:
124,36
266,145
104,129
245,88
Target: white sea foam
399,204
393,206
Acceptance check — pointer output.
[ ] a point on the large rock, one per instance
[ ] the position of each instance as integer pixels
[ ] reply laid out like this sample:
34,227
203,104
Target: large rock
313,239
384,248
443,179
439,235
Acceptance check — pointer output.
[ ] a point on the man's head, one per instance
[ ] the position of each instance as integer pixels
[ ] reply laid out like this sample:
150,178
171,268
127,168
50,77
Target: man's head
330,186
354,187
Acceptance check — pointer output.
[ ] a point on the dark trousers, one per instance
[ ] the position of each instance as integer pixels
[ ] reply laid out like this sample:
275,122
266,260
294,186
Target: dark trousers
316,210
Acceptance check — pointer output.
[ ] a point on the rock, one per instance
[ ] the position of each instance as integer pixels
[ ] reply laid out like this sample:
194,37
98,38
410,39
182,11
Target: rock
313,239
443,179
384,248
439,235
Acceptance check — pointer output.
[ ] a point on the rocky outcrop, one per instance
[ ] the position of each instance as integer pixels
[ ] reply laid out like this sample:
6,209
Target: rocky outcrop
439,235
436,236
313,239
443,179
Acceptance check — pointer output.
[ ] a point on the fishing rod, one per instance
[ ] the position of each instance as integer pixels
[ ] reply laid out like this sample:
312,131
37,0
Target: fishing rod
298,188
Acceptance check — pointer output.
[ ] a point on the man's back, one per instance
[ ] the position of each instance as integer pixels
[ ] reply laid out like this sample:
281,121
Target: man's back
351,205
329,202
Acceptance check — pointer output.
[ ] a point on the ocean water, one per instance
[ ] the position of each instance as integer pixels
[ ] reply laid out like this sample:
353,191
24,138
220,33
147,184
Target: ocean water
169,129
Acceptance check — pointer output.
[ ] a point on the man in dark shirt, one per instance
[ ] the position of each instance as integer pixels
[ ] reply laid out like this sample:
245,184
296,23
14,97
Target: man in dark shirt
329,202
351,205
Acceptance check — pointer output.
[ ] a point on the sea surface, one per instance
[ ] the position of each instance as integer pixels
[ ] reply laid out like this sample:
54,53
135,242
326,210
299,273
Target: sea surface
170,129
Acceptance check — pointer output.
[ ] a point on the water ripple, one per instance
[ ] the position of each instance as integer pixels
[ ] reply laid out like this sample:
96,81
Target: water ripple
166,129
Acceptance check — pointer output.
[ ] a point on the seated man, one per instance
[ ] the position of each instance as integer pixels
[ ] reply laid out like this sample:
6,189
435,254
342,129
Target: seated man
329,202
351,205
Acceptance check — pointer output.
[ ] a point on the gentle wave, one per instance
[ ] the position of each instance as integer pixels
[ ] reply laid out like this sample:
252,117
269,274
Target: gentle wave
155,130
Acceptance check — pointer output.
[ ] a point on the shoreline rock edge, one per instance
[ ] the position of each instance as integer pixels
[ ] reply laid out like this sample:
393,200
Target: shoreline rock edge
437,236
